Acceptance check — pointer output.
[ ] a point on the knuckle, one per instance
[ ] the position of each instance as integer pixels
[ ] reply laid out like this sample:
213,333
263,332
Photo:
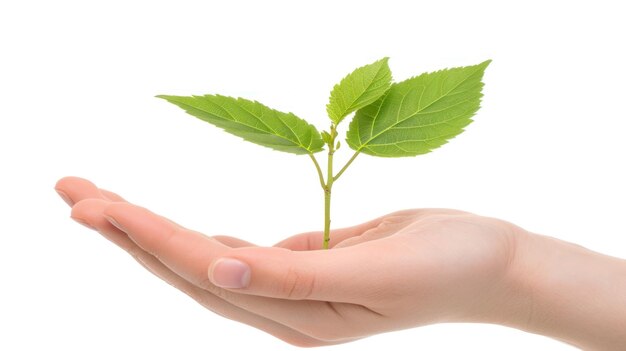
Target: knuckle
297,284
167,240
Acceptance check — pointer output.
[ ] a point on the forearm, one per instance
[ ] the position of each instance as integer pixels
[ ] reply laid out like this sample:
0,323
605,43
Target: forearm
569,293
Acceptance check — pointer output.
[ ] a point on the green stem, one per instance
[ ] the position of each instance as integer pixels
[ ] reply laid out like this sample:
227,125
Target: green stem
330,179
343,169
319,170
329,186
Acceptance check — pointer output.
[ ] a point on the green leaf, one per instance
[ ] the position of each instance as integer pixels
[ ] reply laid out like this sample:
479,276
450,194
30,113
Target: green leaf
419,114
358,89
253,121
326,137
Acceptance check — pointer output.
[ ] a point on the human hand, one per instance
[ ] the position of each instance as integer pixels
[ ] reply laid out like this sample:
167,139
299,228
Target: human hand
401,270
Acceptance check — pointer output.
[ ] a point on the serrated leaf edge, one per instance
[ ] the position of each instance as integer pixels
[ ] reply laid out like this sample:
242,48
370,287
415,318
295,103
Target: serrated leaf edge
299,144
384,63
364,145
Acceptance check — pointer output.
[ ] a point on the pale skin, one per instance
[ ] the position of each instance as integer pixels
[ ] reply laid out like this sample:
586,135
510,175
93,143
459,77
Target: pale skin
405,269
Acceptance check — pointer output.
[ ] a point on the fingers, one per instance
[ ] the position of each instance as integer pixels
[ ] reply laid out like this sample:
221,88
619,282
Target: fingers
186,252
314,240
390,225
228,310
75,189
90,211
189,254
232,241
353,235
112,196
183,261
340,275
375,229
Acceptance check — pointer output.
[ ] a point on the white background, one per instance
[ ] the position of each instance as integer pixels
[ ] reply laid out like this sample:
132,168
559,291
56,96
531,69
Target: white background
77,86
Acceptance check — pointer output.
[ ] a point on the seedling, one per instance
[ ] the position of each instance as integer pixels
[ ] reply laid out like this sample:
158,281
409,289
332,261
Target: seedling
407,118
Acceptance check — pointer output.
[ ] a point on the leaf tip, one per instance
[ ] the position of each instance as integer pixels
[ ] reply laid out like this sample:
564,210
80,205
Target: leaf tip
383,62
164,97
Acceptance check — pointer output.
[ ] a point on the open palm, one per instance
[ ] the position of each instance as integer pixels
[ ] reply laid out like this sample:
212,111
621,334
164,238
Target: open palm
401,270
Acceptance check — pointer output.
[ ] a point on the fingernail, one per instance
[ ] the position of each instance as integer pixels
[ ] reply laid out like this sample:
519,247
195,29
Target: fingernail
65,197
114,223
230,273
83,222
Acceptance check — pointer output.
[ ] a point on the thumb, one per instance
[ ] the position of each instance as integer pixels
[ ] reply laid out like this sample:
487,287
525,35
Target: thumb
338,275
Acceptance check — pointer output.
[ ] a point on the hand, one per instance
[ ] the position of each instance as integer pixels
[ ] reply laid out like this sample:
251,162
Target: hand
404,269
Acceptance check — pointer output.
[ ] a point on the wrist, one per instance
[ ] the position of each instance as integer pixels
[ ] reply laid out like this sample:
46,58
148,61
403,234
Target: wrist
567,292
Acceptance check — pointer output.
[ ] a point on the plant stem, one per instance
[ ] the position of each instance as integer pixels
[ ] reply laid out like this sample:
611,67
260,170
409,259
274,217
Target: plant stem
346,166
319,170
329,186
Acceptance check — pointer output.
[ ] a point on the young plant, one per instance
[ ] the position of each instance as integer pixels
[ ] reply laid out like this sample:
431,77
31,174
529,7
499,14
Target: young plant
407,118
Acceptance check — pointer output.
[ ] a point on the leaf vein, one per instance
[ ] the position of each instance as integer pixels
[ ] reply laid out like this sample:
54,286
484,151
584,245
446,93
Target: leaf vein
439,98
